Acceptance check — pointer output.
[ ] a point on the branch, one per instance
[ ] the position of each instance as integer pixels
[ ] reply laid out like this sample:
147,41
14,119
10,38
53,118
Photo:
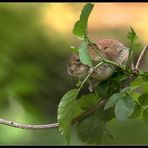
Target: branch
53,125
90,111
28,126
141,56
84,114
90,72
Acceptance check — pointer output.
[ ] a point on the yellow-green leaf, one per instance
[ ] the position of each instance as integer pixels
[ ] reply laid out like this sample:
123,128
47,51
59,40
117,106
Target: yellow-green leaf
80,27
84,55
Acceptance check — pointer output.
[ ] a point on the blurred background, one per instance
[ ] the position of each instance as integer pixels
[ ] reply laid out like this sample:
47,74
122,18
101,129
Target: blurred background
34,51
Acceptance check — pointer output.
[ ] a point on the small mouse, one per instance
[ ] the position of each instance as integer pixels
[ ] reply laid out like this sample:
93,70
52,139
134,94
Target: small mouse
110,49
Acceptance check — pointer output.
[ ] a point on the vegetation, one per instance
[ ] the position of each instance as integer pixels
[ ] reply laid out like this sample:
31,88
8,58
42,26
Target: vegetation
118,99
33,73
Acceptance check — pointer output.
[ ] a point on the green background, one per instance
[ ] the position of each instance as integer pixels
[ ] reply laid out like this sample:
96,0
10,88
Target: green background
33,76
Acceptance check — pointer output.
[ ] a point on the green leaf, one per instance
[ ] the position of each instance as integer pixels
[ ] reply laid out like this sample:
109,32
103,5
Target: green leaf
124,108
80,27
74,49
143,99
137,112
128,89
145,115
139,81
106,115
79,83
66,111
102,89
145,88
135,95
90,130
87,101
132,35
112,101
144,75
84,55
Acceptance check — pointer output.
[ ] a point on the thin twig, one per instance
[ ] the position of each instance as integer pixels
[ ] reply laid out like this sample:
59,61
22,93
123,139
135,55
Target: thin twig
28,126
141,57
90,72
53,125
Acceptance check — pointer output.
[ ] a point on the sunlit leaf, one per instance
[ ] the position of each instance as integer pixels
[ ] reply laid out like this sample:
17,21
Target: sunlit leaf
132,35
66,111
144,75
137,112
84,55
80,28
74,49
143,99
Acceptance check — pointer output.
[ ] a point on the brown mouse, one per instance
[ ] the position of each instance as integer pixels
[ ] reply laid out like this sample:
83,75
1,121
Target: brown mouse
110,49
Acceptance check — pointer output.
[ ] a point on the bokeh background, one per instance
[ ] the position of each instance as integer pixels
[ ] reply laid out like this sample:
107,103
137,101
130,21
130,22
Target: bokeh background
34,51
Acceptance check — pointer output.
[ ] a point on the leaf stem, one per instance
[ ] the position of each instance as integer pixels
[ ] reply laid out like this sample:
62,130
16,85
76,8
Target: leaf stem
129,58
90,72
141,56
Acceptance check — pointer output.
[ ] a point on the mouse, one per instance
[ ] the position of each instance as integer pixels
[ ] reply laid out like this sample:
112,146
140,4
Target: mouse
110,49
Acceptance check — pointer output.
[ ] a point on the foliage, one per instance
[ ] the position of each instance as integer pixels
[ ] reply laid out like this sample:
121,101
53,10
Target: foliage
28,67
122,103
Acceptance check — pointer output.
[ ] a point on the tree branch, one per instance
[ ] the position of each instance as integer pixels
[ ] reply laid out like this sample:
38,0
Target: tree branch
28,126
141,57
81,116
90,111
53,125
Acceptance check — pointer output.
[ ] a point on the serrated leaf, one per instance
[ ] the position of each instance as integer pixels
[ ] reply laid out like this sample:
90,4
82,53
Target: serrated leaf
66,110
84,55
132,35
112,101
90,130
80,27
124,108
143,99
145,115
